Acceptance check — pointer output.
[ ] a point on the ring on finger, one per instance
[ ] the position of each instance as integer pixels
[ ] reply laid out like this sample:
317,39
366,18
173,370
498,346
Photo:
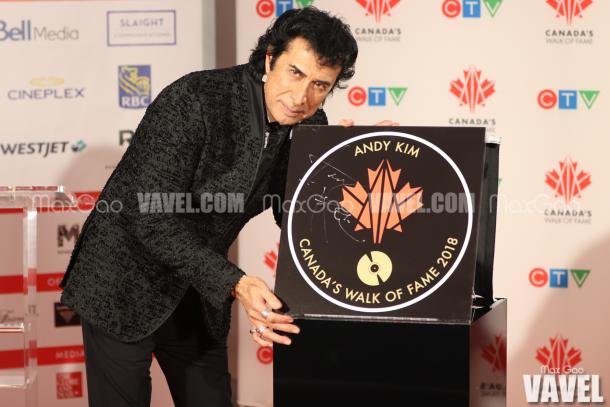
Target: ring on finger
253,331
265,313
260,330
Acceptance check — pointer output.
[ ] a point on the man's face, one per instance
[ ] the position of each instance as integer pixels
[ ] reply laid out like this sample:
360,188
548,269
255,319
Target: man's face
297,84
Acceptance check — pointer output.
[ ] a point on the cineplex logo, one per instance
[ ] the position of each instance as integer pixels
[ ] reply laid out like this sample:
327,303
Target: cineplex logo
560,381
473,90
375,96
470,8
46,88
24,31
569,12
269,8
379,11
568,182
566,99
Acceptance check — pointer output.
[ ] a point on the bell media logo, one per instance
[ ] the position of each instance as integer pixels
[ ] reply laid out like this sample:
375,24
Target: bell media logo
470,8
560,379
134,86
557,278
25,31
375,95
269,8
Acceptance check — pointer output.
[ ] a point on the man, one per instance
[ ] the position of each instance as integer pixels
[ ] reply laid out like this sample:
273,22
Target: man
146,282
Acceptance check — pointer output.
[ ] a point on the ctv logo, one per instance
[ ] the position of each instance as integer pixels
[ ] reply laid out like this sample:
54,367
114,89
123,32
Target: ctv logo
268,8
569,9
472,90
378,8
375,96
566,99
557,278
559,380
568,181
134,86
469,8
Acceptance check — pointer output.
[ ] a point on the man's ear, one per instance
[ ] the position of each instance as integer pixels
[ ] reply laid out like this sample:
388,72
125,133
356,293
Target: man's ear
268,63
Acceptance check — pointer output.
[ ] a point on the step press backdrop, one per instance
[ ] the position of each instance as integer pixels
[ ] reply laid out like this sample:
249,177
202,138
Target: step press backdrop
77,76
533,72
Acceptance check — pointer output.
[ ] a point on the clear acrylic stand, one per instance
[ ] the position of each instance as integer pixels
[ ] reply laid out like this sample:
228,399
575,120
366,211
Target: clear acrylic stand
29,199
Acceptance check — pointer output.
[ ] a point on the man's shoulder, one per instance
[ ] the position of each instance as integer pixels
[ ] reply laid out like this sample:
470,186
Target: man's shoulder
209,79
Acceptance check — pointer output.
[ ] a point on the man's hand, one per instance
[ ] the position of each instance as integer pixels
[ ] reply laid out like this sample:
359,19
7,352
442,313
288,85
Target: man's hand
258,302
350,123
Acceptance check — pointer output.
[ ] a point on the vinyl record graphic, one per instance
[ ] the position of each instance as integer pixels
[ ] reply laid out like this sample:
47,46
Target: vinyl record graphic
379,221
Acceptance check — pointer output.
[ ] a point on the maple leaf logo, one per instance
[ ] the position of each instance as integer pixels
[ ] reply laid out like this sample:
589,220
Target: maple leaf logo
378,8
559,357
495,354
382,208
568,182
569,9
270,259
472,91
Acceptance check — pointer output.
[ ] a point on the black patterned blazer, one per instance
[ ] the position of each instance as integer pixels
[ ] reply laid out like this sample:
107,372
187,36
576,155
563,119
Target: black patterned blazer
129,269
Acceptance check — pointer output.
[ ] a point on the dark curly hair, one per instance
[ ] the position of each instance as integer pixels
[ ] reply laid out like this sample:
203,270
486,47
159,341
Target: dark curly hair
329,37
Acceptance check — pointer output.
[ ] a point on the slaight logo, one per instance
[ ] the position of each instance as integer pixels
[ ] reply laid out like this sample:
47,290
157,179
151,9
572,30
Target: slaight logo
472,90
469,8
568,181
561,381
495,354
134,86
566,99
557,278
45,88
569,9
375,96
268,8
24,31
378,8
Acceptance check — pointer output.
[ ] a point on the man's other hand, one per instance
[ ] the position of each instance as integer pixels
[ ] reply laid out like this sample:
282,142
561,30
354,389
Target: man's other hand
259,302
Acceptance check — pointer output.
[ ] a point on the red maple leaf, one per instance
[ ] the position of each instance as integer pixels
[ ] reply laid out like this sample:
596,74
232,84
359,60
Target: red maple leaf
381,207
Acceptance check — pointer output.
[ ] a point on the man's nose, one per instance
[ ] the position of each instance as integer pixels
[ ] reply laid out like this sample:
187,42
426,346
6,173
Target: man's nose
299,94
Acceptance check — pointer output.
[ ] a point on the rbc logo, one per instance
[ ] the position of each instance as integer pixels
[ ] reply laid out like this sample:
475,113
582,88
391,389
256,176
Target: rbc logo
267,8
557,278
134,86
376,96
470,8
566,99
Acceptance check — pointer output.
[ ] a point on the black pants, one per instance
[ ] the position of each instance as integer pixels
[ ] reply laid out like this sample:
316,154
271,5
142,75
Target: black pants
195,366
